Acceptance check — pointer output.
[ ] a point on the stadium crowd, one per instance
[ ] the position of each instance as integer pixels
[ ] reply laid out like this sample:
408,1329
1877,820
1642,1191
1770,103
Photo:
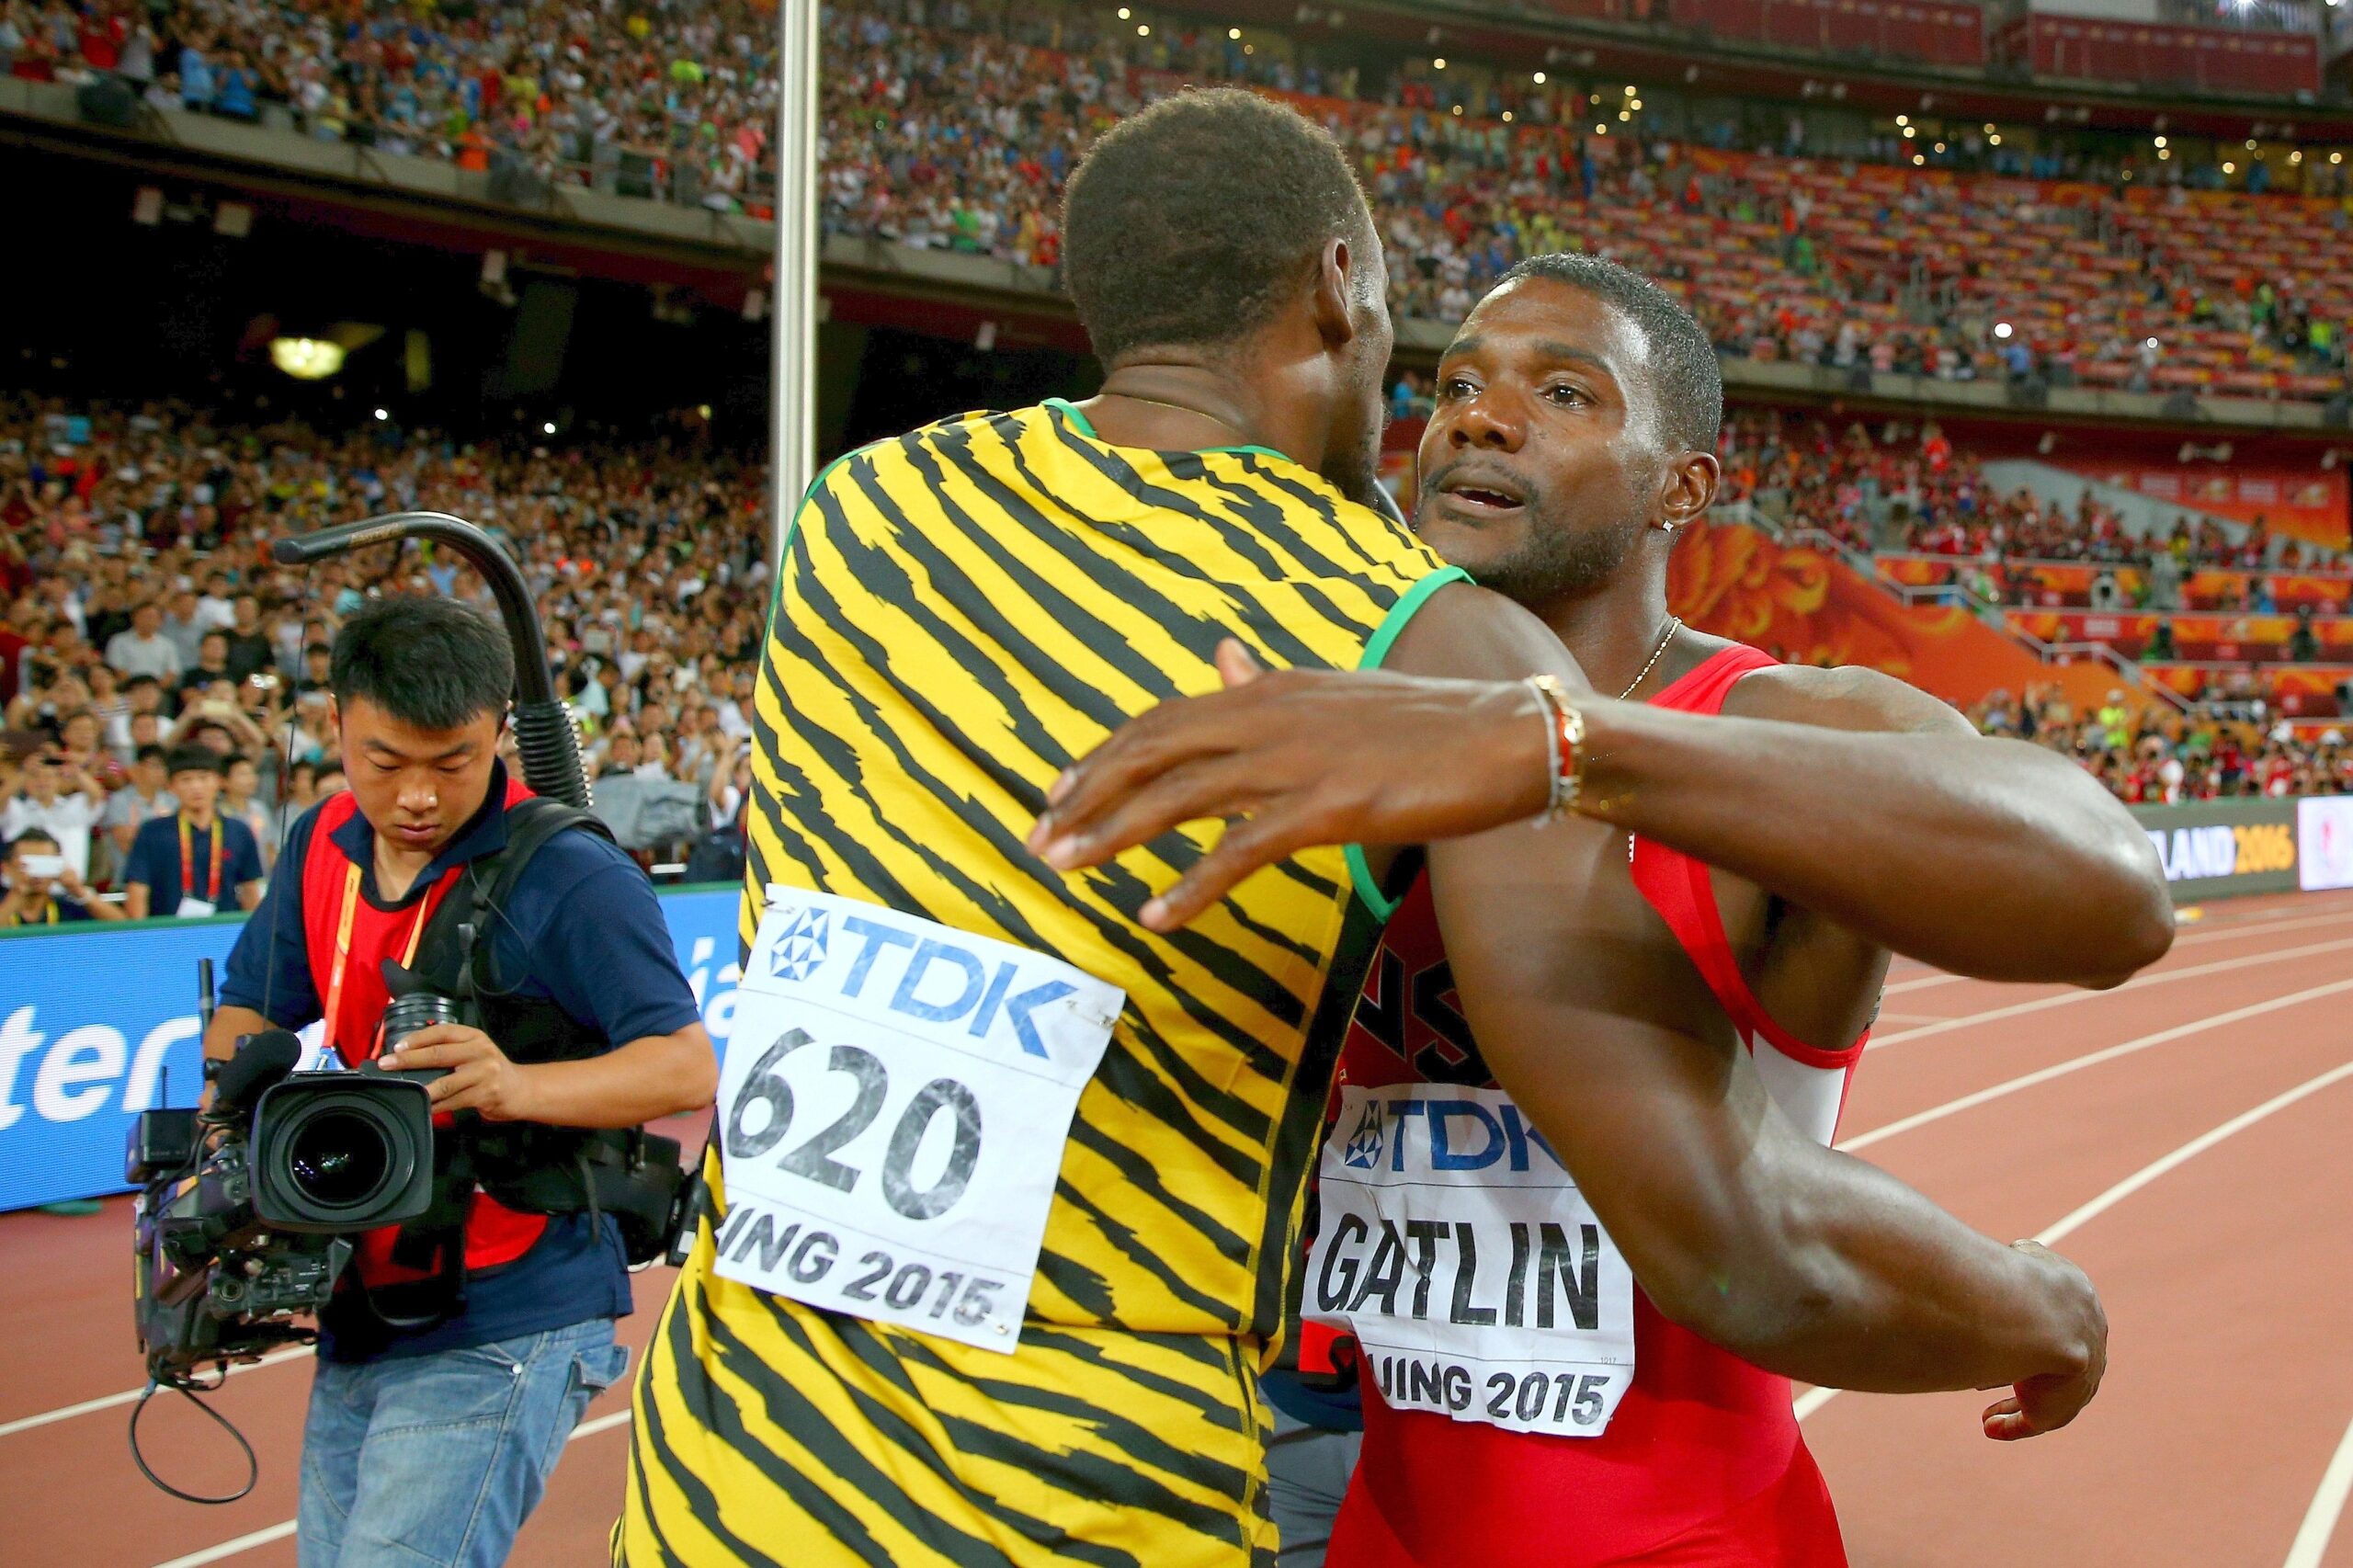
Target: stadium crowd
951,122
1909,488
143,614
2158,756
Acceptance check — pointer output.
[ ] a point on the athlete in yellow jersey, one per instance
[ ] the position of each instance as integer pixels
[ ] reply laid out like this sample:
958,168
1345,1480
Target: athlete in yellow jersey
962,612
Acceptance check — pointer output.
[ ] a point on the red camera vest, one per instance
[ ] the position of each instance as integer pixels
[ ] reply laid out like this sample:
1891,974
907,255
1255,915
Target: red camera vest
347,940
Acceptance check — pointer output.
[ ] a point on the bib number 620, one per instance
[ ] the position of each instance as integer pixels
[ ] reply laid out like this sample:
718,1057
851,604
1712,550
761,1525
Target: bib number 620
814,1157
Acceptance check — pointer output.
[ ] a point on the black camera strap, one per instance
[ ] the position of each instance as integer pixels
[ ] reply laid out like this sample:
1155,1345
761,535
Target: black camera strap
624,1174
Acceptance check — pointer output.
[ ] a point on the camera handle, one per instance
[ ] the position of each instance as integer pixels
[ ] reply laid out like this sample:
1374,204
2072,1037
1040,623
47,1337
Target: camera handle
543,729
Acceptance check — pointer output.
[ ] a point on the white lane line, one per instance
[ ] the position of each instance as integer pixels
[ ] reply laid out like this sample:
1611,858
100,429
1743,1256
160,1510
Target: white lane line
1914,1018
1814,1398
2188,1152
2139,982
2207,932
109,1402
2249,927
285,1528
2320,1521
230,1548
2091,1059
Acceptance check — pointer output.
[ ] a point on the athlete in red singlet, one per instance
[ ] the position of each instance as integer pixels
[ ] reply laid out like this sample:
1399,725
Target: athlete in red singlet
1583,1256
1526,1402
1701,1463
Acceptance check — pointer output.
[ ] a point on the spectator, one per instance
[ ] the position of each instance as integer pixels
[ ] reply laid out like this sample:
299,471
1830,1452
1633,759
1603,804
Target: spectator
2115,718
212,666
249,650
63,802
44,888
216,611
145,795
239,803
2303,644
194,862
144,650
185,626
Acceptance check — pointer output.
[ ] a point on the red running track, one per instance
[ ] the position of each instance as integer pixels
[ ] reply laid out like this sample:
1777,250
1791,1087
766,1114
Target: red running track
2187,1132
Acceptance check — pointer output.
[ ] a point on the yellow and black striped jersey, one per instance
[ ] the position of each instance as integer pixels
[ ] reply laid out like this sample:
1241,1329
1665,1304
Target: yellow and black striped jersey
962,612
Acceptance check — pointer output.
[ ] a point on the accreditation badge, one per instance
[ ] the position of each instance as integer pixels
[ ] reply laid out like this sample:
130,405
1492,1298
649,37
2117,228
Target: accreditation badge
1457,1249
893,1106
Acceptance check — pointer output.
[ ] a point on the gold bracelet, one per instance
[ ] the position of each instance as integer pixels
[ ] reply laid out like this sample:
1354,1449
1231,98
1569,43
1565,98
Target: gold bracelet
1564,748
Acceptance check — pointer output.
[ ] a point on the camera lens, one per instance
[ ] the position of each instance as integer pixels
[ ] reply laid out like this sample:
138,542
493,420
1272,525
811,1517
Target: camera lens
409,1013
339,1159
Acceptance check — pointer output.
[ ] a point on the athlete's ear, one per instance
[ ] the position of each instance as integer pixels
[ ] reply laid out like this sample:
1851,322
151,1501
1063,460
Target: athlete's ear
1688,489
1329,301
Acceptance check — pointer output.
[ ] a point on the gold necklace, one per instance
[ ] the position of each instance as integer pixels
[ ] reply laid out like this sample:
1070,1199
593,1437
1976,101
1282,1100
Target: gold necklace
1664,637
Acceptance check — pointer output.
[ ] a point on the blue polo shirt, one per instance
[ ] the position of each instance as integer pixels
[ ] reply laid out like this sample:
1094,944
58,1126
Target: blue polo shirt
154,862
584,929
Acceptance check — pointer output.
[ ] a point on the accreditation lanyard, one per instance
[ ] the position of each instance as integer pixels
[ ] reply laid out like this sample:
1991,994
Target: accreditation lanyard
188,862
343,949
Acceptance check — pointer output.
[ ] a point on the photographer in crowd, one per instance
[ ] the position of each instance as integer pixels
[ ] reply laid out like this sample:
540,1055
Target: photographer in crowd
43,890
479,1333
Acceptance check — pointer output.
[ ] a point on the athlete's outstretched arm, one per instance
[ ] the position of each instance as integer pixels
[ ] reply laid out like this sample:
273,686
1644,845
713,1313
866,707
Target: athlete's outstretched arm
2014,863
1797,1258
1802,1260
1870,802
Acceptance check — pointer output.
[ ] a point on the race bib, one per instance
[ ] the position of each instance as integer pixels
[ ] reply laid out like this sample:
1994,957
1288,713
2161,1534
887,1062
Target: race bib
1474,1277
893,1104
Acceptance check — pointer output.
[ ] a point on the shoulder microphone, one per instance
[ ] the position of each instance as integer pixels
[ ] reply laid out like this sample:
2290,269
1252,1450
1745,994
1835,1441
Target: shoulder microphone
264,1060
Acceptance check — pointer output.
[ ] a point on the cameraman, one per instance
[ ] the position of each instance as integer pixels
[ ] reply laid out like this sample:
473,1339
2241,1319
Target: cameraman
460,1421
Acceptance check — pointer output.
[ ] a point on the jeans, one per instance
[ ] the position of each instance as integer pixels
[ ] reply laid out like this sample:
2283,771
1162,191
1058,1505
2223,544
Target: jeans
439,1459
1307,1474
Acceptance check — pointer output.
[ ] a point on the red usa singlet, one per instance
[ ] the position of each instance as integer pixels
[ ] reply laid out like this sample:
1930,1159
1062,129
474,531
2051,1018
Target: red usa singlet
1524,1401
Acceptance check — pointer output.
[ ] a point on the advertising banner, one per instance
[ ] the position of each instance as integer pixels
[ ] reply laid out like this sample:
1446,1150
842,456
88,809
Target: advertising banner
2324,843
2310,506
2067,584
97,1021
2222,848
2226,639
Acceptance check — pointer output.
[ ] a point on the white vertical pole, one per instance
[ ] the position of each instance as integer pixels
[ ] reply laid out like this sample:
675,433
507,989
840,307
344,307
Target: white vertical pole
793,316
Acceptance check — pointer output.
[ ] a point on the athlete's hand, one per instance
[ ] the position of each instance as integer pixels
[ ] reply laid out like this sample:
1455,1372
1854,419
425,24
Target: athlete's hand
1303,758
2045,1404
480,1079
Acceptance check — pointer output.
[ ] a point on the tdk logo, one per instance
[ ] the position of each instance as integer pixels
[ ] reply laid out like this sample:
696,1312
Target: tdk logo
1457,1135
800,949
1363,1149
942,983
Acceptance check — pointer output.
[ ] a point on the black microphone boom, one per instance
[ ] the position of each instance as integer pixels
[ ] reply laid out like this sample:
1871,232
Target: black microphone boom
543,731
264,1060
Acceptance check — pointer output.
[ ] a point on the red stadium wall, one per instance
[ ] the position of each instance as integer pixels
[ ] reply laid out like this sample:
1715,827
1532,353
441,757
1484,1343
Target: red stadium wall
1806,605
2213,59
1935,34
